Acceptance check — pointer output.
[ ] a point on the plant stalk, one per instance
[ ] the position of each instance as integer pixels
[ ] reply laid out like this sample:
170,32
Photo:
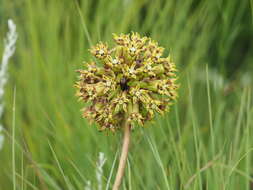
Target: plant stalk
123,156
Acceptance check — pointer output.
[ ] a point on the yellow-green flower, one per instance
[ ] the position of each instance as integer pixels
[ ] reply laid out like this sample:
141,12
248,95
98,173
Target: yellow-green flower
131,81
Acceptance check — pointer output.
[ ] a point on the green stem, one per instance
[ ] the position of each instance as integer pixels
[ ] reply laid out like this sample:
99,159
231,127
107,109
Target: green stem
123,156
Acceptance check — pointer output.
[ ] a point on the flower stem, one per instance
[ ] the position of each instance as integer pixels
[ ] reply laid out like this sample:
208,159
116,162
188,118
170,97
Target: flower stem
123,156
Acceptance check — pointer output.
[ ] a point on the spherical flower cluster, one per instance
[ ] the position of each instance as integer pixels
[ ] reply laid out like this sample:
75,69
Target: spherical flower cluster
129,82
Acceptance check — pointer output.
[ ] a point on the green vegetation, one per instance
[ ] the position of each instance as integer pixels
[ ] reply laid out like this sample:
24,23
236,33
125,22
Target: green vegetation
205,142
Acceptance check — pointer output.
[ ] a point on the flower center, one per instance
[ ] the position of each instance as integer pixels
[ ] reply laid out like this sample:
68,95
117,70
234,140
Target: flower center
132,49
131,70
101,52
115,61
108,83
138,93
149,68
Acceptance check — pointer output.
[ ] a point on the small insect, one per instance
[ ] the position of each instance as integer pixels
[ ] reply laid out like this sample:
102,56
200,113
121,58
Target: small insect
123,84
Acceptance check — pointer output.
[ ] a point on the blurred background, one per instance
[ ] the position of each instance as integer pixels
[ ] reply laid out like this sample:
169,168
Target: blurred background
205,142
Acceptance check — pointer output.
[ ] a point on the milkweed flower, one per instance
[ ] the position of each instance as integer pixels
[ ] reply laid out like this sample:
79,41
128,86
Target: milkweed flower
131,81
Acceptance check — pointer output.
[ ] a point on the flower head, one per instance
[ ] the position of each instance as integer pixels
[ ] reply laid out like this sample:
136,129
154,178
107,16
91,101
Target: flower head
131,81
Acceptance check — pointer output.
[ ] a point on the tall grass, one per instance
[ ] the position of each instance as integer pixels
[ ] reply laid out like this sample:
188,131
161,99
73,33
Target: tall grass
203,143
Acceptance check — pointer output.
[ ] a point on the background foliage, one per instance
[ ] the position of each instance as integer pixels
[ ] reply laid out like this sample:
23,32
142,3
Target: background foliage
205,142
